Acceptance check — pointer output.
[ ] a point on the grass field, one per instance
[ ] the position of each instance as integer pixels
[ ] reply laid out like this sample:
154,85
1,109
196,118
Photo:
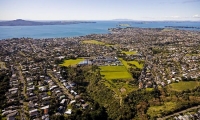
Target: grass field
108,45
2,65
149,89
49,93
192,54
157,110
128,63
115,72
71,62
129,52
117,79
180,86
121,88
93,42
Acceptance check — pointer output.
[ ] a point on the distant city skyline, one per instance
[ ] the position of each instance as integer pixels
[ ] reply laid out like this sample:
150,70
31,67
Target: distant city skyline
146,10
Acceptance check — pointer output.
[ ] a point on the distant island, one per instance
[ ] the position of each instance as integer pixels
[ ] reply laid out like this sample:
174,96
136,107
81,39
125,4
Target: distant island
20,22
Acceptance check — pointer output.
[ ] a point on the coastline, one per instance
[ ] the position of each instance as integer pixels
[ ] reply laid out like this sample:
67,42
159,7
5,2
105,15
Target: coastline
82,29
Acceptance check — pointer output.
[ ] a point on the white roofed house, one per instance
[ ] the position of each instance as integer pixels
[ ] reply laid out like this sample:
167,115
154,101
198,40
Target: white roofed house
85,106
69,111
42,88
63,101
33,113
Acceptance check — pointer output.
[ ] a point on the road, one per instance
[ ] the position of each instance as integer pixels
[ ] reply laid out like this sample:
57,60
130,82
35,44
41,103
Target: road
21,78
61,86
183,111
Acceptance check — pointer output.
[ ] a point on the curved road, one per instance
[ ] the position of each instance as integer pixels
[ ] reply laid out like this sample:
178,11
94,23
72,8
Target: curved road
183,111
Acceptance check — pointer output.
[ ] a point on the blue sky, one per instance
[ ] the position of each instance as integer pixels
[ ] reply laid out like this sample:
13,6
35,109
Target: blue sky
100,9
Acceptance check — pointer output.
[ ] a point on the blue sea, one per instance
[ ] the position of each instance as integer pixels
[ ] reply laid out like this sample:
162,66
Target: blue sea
73,30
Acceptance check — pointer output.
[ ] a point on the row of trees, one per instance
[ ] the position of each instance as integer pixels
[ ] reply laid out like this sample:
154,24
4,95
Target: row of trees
85,77
4,86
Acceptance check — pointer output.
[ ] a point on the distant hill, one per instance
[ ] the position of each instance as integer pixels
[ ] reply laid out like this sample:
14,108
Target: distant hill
20,22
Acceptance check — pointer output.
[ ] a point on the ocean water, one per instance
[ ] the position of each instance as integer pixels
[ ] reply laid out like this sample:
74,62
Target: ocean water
72,30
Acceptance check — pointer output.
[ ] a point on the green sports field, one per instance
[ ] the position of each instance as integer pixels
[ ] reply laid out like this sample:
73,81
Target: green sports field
117,79
115,72
71,62
93,42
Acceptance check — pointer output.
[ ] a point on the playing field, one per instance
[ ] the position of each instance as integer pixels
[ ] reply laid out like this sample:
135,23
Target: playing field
94,42
117,79
71,62
115,72
183,85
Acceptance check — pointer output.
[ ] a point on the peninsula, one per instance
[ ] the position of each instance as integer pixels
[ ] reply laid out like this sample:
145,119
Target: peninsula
20,22
193,27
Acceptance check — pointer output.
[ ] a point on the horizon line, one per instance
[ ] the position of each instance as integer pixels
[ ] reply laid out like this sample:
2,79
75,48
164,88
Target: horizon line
99,20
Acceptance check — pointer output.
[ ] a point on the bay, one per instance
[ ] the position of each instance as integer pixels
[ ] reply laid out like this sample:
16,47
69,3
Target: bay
73,30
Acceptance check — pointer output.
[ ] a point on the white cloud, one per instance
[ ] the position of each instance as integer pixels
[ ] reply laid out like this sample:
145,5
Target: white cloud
175,16
196,16
172,16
